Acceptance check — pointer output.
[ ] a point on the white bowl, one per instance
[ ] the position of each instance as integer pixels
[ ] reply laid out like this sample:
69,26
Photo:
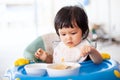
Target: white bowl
61,69
36,69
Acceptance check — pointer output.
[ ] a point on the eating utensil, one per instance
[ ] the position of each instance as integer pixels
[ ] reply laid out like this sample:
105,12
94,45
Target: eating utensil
68,67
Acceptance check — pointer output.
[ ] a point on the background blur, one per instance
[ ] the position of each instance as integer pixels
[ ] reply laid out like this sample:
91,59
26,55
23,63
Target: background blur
22,21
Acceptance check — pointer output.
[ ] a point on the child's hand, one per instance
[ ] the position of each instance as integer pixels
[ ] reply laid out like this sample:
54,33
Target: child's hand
95,56
86,49
41,54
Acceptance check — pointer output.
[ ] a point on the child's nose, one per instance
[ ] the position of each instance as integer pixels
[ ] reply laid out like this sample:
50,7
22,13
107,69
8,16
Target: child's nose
68,37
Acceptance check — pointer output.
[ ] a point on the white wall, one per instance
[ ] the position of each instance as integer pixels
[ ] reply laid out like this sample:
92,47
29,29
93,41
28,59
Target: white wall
12,44
17,30
115,18
106,12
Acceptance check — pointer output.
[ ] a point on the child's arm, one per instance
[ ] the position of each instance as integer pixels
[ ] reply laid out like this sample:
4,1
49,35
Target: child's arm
93,53
95,56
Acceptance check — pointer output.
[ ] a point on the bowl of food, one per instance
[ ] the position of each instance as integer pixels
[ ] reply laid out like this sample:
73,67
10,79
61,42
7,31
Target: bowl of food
38,69
63,69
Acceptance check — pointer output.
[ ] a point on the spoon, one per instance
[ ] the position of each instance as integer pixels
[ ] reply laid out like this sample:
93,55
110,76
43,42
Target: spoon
68,67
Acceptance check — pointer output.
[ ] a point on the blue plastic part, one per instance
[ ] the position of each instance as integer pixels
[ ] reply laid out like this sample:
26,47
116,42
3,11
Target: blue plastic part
88,71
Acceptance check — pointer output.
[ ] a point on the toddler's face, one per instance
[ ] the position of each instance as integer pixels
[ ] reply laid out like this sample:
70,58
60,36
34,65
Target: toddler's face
70,36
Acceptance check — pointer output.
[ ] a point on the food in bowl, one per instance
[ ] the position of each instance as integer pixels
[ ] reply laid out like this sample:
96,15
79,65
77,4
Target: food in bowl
61,66
38,69
63,69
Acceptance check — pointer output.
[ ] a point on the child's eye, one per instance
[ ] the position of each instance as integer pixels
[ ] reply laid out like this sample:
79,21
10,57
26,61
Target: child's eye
73,33
63,34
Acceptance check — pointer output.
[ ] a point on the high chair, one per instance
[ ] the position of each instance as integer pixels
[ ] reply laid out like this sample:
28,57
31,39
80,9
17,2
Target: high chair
109,69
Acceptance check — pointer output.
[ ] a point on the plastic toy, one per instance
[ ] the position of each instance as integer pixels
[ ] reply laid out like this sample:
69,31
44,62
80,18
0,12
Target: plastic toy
105,55
21,61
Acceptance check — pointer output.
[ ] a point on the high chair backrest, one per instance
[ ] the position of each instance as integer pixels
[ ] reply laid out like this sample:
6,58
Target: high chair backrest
45,42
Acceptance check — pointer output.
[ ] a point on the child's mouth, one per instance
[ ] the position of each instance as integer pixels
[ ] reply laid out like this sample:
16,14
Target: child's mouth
70,44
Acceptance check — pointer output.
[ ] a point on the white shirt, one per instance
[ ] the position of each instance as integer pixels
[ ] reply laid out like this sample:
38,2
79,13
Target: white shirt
63,53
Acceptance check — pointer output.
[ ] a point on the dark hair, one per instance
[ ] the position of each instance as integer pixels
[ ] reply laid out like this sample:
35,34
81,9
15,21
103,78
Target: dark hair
66,15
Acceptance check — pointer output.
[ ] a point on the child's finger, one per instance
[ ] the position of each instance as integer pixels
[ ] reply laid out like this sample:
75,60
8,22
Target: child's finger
83,53
40,50
36,55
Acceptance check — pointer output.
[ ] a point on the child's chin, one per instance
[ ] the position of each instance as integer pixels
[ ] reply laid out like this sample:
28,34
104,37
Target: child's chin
70,46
